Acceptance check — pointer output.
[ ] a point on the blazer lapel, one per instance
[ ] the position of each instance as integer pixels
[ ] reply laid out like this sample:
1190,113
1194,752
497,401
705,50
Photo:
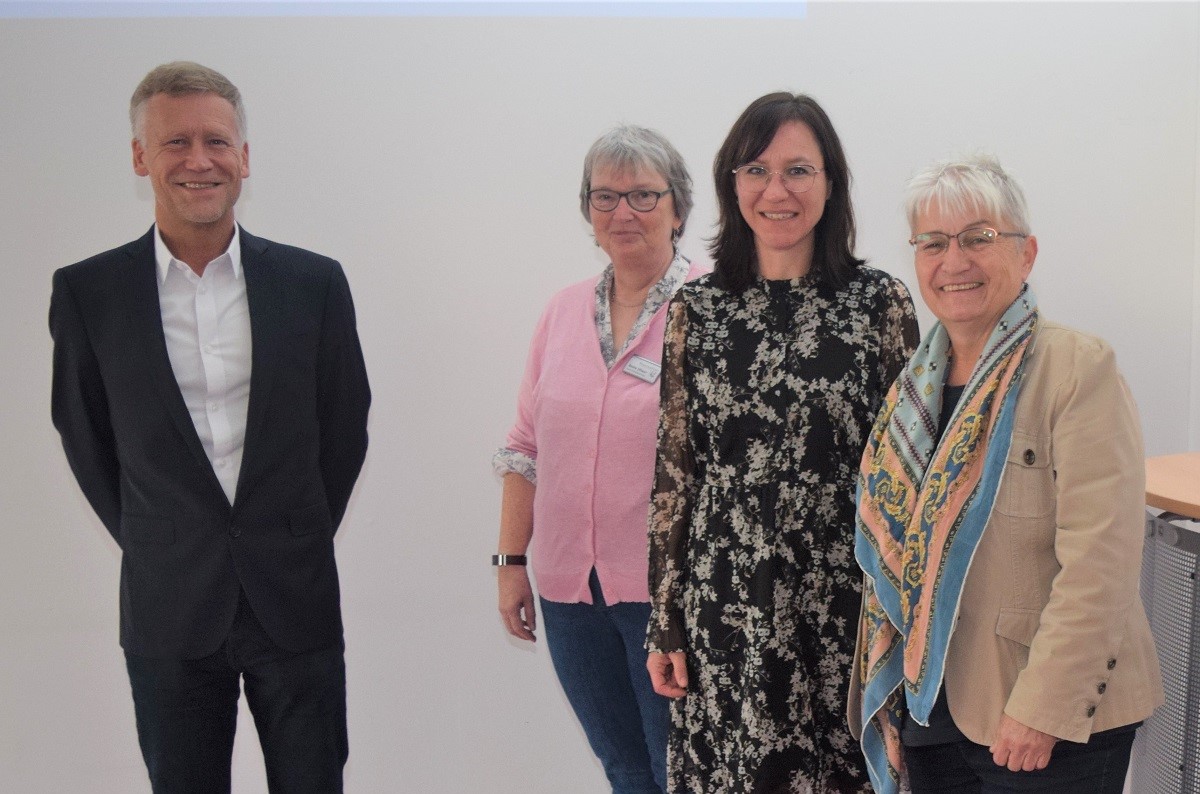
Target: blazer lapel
265,298
141,290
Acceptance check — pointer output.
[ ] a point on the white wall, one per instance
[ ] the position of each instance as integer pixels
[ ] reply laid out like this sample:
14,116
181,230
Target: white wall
439,160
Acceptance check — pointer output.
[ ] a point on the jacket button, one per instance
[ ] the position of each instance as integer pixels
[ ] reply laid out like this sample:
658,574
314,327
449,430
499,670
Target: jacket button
1100,689
1091,710
237,533
1029,457
1112,663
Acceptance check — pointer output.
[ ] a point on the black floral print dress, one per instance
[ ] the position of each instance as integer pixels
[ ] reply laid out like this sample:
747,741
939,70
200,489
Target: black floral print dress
767,401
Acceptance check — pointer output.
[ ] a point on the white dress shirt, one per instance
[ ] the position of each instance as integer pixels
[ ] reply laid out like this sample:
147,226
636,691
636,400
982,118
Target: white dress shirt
206,321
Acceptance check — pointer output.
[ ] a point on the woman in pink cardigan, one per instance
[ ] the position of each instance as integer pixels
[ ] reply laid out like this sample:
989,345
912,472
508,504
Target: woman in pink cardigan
579,460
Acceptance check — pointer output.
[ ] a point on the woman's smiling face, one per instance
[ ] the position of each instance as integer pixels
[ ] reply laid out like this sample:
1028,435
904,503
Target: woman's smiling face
783,221
968,290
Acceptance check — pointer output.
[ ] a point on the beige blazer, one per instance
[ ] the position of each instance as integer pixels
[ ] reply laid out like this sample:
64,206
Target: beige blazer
1051,629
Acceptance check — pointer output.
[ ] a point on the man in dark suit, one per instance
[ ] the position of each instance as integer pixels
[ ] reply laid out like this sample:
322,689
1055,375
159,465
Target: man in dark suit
212,400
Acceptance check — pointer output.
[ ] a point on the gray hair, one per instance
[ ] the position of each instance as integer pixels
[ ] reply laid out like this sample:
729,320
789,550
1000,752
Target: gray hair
627,146
180,78
974,183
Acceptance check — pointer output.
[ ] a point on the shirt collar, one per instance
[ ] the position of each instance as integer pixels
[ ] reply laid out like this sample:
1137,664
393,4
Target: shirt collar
669,284
660,293
163,257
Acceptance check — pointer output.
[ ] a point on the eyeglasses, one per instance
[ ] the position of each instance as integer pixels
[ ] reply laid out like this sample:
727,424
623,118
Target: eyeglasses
640,200
755,178
977,239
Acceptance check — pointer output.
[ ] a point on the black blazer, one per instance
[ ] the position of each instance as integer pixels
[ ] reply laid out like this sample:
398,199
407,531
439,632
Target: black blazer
131,443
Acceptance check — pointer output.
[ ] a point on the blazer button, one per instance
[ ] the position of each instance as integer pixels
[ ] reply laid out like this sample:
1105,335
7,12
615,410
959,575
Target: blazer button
1030,457
1100,689
237,533
1091,710
1112,663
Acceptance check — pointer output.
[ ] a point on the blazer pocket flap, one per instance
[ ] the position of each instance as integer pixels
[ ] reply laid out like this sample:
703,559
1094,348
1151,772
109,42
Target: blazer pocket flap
308,520
147,529
1018,625
1027,489
1029,451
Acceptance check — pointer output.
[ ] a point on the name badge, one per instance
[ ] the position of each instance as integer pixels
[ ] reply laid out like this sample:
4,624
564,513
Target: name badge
643,368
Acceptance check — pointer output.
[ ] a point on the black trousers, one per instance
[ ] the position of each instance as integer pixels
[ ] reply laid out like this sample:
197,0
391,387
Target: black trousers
1095,767
187,713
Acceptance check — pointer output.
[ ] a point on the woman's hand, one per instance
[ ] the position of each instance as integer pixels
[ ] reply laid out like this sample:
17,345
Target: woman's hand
1019,747
668,673
516,602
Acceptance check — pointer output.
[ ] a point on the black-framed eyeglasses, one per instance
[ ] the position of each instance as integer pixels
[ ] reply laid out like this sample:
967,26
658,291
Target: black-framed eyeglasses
755,178
641,200
975,239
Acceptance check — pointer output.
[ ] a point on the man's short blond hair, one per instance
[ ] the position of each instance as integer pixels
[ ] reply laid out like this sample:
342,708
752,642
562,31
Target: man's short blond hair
179,78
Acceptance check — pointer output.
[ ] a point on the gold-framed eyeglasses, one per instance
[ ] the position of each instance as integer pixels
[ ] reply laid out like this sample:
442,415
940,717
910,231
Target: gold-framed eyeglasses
641,200
753,178
976,240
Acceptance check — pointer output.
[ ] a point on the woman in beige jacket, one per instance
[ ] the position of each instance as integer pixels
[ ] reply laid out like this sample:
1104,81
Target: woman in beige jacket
1003,645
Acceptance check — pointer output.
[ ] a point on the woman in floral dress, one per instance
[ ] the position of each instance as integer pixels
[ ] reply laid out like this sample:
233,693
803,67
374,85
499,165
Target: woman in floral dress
773,369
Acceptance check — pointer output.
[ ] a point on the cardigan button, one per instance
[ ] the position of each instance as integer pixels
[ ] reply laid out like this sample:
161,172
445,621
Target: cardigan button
1091,710
1100,689
1112,663
1029,457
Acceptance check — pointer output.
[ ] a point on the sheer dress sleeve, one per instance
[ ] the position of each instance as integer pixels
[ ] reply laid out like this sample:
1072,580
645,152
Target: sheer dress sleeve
673,495
899,335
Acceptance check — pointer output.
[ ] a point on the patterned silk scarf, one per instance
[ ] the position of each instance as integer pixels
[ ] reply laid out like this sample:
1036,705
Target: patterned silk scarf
921,512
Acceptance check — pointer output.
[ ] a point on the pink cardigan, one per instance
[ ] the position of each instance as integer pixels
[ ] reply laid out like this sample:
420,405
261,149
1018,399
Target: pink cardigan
593,432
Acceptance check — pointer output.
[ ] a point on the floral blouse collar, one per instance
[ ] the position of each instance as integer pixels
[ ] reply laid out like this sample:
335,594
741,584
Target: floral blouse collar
659,294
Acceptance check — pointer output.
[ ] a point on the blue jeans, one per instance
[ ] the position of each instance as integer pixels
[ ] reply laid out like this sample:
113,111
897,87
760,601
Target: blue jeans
1097,767
600,658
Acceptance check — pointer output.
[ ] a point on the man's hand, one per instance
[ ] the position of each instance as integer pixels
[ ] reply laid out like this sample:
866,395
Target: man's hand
1019,747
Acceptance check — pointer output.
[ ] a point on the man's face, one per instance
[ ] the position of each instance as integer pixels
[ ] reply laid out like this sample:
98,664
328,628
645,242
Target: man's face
196,161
